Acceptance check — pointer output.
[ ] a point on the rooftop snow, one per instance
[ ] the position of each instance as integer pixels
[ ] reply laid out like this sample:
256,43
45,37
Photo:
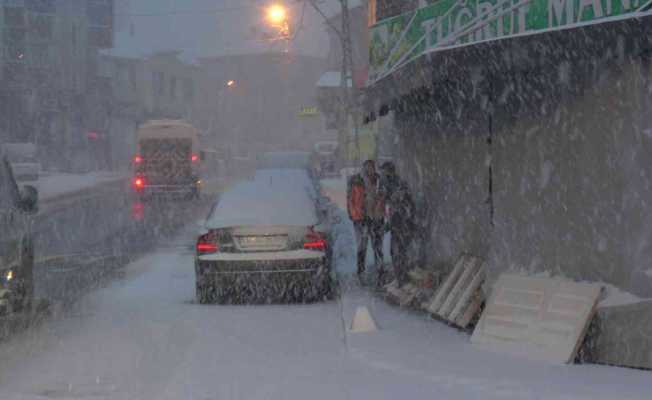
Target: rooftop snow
331,79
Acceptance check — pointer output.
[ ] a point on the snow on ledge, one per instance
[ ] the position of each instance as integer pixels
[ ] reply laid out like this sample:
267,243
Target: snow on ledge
614,296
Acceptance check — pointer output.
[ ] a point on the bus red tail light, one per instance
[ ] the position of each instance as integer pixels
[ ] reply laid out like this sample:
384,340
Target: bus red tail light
207,244
139,182
314,241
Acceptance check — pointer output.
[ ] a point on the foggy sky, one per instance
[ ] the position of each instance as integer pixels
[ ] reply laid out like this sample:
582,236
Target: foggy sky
205,28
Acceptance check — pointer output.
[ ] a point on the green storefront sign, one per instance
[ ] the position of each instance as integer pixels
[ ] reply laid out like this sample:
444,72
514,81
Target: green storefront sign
449,23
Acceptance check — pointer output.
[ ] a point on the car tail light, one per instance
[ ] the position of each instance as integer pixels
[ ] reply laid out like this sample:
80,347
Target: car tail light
138,159
314,241
139,182
207,244
194,158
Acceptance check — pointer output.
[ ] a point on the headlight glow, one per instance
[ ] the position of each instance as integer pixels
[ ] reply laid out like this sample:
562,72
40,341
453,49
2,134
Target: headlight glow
9,275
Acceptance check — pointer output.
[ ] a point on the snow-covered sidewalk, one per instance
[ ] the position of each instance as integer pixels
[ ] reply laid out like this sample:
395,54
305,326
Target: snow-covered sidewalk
416,348
411,346
52,185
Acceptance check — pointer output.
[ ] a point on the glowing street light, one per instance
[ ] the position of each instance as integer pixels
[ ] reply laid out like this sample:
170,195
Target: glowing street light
230,83
277,14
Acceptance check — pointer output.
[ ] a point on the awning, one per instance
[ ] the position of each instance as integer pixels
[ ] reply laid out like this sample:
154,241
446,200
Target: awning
437,72
398,41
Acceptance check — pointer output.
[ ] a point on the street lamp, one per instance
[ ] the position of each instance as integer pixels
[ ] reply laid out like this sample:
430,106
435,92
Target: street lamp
277,15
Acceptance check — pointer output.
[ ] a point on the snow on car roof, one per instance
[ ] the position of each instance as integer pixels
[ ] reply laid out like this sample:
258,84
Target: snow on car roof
271,198
292,178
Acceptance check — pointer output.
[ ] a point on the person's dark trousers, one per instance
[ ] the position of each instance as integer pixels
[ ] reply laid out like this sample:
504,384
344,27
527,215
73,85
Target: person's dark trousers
400,244
364,230
361,242
376,229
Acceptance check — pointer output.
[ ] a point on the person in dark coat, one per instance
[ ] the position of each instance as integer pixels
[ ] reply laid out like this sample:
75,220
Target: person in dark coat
400,219
366,210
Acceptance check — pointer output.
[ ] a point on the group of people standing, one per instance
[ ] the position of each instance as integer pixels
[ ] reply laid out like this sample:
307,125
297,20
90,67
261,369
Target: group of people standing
378,203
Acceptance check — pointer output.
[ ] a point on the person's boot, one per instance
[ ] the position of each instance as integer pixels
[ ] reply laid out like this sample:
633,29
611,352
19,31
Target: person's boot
380,279
360,275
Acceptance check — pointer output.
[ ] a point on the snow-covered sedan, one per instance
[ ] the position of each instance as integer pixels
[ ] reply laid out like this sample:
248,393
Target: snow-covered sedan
264,241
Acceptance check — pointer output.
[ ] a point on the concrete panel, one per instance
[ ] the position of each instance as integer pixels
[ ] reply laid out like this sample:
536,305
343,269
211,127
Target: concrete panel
539,318
622,335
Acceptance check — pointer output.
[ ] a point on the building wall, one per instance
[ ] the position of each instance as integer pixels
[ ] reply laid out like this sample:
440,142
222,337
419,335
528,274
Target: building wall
170,87
534,153
2,42
49,73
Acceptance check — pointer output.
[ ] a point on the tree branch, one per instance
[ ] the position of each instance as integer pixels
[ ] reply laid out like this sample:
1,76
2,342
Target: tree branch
326,19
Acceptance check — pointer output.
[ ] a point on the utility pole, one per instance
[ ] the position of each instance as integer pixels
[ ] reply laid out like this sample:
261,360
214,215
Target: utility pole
348,96
348,64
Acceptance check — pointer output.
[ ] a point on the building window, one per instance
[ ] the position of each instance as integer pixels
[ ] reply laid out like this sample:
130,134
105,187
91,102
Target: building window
14,17
73,37
42,26
13,35
173,88
41,56
188,89
158,83
132,77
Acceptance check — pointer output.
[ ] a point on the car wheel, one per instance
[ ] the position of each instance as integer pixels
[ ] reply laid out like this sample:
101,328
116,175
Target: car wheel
326,289
323,287
26,275
221,295
202,294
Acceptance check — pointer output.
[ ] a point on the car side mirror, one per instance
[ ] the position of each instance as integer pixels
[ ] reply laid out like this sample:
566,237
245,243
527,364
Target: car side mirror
29,199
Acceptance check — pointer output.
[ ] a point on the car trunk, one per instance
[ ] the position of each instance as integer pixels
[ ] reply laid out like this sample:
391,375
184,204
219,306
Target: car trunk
245,239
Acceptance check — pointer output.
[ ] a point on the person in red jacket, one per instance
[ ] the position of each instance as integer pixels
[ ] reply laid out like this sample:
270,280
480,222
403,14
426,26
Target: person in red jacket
366,209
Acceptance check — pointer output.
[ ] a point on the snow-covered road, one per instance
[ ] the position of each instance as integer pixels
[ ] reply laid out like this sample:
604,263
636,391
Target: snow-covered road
142,337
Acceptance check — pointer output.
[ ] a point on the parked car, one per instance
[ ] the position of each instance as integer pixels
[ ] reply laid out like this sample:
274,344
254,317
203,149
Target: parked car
16,246
289,160
265,241
325,154
24,161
